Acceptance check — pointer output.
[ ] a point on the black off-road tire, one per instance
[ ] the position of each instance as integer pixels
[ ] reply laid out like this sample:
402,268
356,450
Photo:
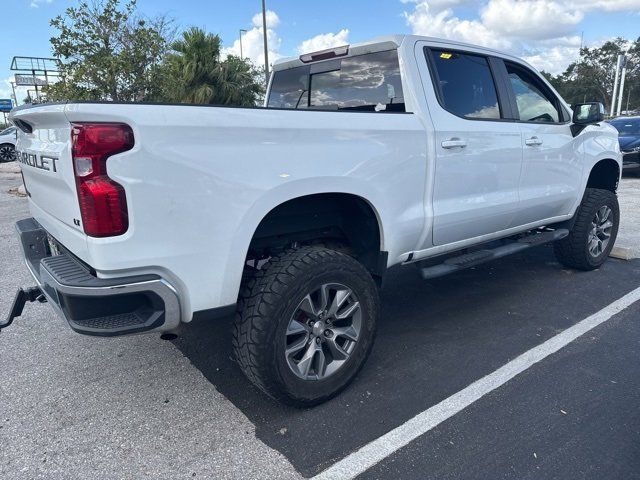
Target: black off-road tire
268,299
573,250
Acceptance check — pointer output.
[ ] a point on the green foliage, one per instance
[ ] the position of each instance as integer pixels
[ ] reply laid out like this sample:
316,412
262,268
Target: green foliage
194,73
108,51
591,77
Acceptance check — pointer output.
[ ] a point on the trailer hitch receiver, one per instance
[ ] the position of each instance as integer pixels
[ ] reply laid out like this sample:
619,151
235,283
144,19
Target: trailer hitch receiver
31,294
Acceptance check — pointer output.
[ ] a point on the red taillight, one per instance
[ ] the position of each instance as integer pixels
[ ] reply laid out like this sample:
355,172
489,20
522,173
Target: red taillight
103,204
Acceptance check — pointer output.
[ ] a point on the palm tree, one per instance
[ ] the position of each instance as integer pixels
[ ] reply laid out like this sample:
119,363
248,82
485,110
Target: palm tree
194,73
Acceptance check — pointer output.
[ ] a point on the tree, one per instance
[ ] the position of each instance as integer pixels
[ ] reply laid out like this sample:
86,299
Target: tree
591,77
109,52
194,73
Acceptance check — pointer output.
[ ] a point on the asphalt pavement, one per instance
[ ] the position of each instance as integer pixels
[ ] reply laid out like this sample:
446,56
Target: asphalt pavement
574,416
73,406
140,407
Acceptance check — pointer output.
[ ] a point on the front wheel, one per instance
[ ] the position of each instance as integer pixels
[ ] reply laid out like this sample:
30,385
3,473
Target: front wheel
594,232
306,324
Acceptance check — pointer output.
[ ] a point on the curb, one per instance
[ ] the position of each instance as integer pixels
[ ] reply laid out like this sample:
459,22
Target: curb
622,253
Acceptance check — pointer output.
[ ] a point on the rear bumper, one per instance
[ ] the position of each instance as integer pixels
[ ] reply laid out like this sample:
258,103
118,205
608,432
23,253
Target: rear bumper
92,305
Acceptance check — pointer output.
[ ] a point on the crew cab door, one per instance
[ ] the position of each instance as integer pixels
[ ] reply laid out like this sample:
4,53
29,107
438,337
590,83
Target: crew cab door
478,148
552,168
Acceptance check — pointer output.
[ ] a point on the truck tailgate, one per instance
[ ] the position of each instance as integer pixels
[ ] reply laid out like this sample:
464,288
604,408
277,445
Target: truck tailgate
45,158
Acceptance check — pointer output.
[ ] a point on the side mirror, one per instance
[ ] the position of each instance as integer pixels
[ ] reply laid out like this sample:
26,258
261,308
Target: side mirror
588,113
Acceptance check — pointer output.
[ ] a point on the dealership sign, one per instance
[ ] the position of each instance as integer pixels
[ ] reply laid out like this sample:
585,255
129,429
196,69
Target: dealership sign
29,81
5,105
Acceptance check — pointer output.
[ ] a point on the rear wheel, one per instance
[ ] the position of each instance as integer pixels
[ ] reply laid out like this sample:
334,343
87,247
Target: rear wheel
594,232
7,152
306,324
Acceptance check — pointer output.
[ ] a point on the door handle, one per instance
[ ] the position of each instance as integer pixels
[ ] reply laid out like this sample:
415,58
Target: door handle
453,143
533,142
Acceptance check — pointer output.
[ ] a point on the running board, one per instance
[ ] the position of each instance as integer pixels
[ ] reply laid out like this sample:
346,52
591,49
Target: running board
468,260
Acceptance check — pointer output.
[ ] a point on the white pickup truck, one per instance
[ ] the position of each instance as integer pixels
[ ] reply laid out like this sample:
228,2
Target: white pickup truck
403,150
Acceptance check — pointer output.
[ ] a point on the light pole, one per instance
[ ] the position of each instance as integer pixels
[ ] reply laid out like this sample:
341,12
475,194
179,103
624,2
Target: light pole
615,86
241,32
266,48
623,74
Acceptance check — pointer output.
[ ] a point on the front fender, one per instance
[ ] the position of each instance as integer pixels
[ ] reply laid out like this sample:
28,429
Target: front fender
598,142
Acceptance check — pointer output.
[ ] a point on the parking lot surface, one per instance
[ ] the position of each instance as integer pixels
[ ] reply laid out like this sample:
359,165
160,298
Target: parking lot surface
629,236
136,407
78,407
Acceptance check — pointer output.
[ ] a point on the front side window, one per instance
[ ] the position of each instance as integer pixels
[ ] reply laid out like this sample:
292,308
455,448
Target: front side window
535,102
370,82
465,84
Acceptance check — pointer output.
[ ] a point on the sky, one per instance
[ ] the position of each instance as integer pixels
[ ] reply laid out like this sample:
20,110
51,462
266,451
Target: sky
547,33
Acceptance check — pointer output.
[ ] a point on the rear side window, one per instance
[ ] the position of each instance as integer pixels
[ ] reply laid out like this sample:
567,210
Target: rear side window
535,102
464,84
370,82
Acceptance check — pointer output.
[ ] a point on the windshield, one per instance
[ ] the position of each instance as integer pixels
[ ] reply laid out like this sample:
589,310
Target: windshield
368,82
8,131
627,127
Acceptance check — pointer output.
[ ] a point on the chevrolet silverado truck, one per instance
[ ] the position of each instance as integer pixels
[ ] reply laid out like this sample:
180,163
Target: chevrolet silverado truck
403,150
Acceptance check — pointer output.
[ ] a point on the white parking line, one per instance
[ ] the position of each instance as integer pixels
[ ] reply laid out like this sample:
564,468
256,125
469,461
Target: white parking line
379,449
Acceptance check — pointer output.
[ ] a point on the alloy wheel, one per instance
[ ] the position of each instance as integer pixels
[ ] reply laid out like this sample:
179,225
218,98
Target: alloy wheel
7,153
600,233
323,332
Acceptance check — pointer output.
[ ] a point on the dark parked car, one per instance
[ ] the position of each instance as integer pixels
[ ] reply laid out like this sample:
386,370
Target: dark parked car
629,138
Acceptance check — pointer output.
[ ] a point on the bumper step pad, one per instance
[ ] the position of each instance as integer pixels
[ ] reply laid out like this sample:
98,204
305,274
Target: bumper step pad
92,305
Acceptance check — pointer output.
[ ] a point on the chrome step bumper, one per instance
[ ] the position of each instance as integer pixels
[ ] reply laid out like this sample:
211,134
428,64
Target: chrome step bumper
92,305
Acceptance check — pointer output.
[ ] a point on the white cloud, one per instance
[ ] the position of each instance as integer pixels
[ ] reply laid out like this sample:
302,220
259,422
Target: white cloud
5,88
37,3
553,59
607,5
538,19
253,41
544,32
7,92
432,21
440,4
273,21
324,41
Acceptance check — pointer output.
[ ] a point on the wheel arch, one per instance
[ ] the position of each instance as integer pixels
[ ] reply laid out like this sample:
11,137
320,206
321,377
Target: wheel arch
346,218
605,175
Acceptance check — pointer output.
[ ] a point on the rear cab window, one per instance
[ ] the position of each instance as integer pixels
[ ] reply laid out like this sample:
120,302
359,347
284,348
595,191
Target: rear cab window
368,83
